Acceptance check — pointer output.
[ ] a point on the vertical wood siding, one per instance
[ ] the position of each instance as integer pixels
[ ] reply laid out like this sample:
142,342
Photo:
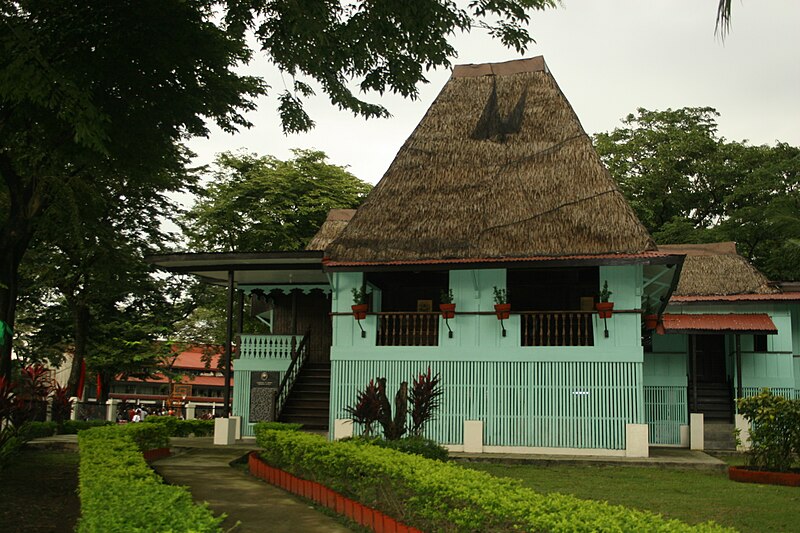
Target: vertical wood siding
536,404
665,411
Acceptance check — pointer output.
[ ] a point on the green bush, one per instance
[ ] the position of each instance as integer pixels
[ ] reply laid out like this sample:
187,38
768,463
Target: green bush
437,496
277,426
183,428
774,430
413,445
37,430
72,427
120,493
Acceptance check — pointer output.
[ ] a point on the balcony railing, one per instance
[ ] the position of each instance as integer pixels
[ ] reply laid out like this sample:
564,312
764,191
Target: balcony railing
268,346
556,328
408,329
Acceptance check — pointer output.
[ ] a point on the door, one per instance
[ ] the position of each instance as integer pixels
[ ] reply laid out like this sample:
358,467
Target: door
709,388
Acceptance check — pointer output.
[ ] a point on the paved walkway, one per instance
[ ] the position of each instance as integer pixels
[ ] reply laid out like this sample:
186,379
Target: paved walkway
256,505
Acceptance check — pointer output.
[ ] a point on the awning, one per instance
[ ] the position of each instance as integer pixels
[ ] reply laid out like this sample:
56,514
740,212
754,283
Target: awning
709,324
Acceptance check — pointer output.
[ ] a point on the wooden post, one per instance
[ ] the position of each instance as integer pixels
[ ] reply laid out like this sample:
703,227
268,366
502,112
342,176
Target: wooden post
694,372
738,366
240,328
294,312
226,397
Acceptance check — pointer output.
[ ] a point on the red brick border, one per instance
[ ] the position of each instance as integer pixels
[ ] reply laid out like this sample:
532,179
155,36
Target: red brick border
745,475
371,519
155,454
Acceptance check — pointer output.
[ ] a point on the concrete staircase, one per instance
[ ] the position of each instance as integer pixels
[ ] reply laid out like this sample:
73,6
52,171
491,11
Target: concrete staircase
309,400
719,435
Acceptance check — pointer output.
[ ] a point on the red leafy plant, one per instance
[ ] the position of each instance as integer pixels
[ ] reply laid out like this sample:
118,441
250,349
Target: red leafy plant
367,409
424,397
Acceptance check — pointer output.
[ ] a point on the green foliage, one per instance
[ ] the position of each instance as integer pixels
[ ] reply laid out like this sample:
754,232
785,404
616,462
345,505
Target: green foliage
414,445
183,428
120,493
277,426
360,295
689,185
446,296
500,295
605,294
256,203
774,431
436,496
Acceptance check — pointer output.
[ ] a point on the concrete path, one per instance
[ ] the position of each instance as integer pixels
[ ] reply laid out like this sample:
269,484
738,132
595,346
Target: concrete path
258,506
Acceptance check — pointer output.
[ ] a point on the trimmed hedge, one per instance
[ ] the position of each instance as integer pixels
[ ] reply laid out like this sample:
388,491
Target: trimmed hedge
183,428
414,445
120,493
277,426
37,430
436,496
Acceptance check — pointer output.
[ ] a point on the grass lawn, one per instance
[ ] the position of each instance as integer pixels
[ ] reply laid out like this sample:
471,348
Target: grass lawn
38,490
690,495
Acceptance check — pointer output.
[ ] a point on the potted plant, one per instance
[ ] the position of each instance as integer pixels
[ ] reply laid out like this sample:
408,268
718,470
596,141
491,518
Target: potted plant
650,318
604,307
360,305
501,306
446,305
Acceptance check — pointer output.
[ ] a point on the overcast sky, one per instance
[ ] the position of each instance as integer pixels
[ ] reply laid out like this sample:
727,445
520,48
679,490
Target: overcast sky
608,56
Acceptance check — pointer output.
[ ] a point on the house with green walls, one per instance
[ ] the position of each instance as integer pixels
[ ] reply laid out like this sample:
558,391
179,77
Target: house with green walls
498,192
727,333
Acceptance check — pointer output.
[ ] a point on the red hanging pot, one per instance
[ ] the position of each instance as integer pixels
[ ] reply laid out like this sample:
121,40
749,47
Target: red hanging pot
503,311
604,309
448,310
650,321
360,311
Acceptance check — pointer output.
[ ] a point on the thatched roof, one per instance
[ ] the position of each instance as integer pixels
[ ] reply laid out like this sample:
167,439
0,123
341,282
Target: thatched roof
716,269
499,166
334,224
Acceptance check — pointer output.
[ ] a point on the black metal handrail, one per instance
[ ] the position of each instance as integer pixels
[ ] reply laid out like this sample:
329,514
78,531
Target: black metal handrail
299,356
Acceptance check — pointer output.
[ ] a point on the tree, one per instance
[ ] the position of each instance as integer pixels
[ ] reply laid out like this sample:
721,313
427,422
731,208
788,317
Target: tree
256,204
688,185
104,92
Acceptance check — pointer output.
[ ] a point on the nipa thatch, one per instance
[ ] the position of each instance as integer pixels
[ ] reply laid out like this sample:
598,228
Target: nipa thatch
717,270
500,166
335,222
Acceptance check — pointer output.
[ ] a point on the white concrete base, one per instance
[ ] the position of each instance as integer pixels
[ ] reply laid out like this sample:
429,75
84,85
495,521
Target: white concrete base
190,411
111,410
743,431
637,440
685,436
697,438
473,436
224,431
238,431
342,428
73,401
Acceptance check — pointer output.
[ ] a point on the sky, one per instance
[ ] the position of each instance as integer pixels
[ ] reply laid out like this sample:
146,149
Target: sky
609,57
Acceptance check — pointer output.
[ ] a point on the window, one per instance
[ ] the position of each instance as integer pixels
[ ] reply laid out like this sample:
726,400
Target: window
759,343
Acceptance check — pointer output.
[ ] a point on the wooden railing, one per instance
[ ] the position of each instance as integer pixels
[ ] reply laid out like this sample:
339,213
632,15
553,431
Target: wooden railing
299,357
267,346
408,329
556,328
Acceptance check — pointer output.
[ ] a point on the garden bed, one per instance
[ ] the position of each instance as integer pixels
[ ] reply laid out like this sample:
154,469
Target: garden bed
744,474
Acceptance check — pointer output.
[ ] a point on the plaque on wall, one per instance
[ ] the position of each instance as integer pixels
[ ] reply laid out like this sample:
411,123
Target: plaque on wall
263,389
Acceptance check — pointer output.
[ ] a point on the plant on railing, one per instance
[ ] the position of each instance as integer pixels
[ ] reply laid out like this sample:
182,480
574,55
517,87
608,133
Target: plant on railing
604,307
394,427
360,305
501,305
424,398
446,305
774,431
367,409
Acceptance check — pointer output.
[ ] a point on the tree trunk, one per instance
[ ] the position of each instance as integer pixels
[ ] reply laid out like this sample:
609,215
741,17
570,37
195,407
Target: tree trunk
81,328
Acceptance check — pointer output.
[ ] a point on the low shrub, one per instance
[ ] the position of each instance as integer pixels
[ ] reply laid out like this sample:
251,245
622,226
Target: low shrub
774,430
437,496
413,445
38,430
72,427
120,493
277,426
183,428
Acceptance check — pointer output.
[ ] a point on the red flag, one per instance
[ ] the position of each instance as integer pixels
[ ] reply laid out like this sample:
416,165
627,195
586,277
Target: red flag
99,386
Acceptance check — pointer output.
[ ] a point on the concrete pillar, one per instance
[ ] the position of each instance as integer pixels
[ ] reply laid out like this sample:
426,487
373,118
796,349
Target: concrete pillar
743,433
637,440
190,410
238,430
224,431
685,437
473,436
697,439
111,409
342,428
73,402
